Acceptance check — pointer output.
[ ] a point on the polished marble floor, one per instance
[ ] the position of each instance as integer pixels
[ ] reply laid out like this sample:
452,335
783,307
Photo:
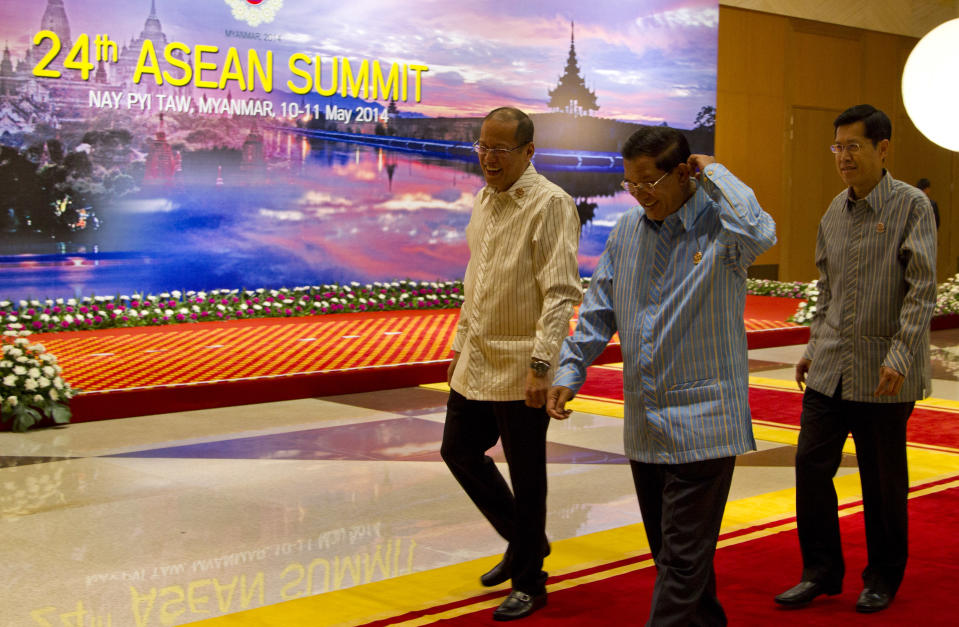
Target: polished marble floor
177,518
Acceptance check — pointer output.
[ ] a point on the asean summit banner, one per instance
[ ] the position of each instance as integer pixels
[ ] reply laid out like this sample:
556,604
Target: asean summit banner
151,146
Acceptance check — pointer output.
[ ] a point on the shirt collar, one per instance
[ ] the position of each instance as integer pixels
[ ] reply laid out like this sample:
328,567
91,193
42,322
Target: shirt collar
517,190
689,212
877,196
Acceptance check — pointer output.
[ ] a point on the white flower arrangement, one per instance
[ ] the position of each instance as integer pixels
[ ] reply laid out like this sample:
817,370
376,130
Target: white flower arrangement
31,385
947,296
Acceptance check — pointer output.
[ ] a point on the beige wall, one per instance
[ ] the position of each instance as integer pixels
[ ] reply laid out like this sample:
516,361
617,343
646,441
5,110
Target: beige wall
781,82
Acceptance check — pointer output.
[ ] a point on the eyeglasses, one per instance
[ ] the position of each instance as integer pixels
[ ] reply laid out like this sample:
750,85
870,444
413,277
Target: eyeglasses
852,148
480,149
635,188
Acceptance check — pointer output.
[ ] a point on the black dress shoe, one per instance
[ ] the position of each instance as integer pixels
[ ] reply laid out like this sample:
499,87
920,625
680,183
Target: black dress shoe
519,605
872,600
504,569
804,592
499,573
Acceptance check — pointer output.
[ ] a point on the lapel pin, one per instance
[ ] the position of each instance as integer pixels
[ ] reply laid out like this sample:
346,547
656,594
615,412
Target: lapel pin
880,228
697,257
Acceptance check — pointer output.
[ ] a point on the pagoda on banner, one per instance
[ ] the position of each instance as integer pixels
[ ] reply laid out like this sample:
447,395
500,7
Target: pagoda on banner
55,19
252,161
161,161
571,94
130,54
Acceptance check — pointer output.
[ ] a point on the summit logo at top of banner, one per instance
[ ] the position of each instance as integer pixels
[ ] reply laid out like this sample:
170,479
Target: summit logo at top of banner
255,12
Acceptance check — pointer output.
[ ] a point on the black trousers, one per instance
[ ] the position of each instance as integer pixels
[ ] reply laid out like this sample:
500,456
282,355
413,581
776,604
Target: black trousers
472,428
879,431
682,507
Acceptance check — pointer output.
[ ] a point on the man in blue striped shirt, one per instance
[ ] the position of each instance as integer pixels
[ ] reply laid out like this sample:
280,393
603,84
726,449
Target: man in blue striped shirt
867,360
672,283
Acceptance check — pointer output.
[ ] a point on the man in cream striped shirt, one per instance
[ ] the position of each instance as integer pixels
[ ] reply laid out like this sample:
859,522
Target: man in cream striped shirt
867,361
522,283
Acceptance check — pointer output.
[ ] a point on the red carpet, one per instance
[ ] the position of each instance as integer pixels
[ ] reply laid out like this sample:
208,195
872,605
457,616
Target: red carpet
150,370
751,572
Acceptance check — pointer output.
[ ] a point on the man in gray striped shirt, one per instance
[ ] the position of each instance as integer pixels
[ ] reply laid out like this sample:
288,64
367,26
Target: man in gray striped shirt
522,283
867,361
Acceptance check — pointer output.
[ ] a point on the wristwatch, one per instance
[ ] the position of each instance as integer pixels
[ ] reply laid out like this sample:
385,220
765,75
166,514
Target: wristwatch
539,367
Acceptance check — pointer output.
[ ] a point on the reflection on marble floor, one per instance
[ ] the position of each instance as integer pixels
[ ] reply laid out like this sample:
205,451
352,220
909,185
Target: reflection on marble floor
170,519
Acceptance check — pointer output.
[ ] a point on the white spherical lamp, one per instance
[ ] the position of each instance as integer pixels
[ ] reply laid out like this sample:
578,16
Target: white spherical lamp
930,85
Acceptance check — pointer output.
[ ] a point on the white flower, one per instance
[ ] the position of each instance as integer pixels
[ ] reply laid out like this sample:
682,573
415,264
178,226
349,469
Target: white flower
49,372
43,382
54,395
58,383
19,370
30,385
21,359
33,373
12,401
176,293
10,380
37,398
